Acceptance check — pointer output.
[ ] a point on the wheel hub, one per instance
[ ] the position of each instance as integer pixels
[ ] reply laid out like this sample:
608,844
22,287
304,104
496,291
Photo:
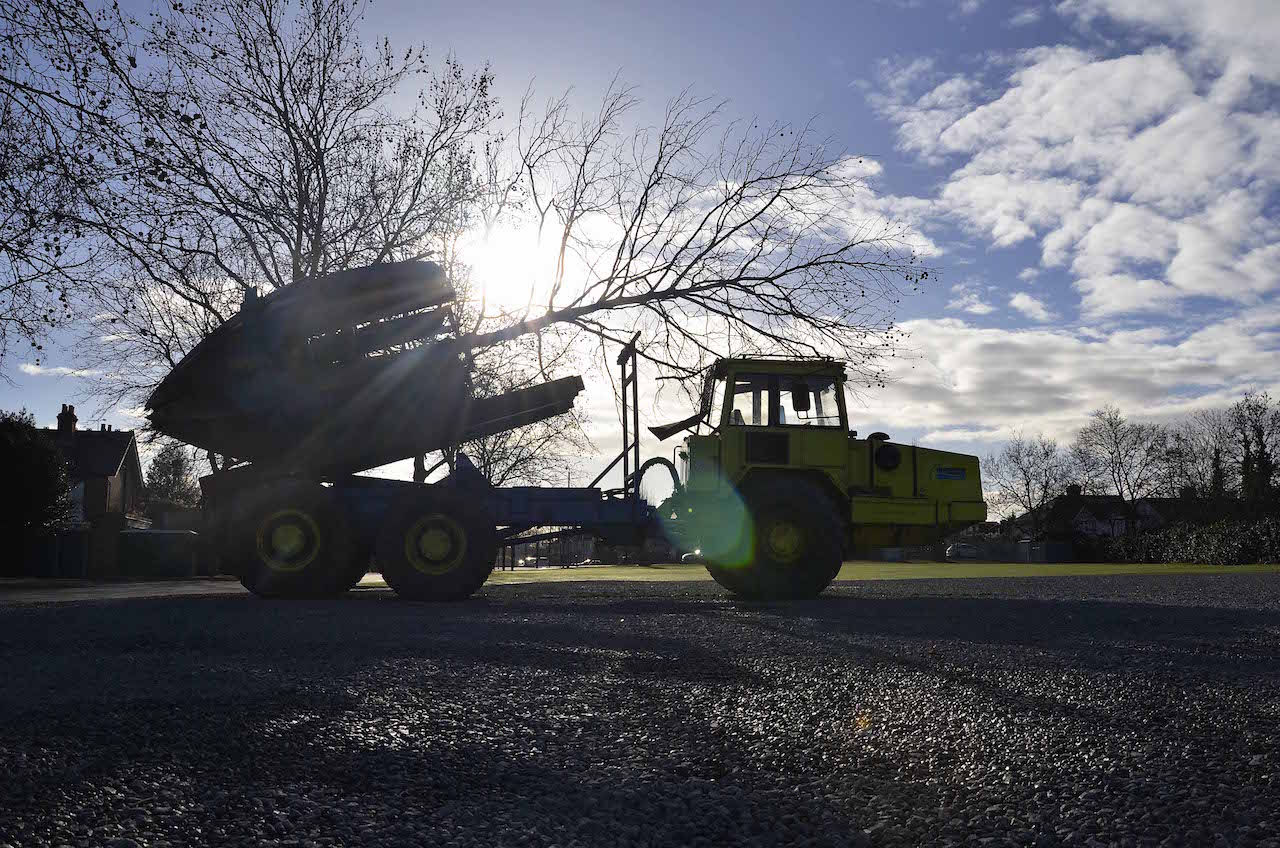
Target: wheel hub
435,544
785,540
288,540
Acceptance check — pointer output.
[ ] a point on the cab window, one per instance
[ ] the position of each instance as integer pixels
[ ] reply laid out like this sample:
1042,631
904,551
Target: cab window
808,401
750,401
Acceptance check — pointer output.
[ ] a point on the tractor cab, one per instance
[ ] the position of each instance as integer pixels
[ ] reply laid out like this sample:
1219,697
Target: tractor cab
780,413
778,393
767,393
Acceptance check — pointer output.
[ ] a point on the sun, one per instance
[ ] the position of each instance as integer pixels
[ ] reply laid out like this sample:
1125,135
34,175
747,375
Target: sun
507,266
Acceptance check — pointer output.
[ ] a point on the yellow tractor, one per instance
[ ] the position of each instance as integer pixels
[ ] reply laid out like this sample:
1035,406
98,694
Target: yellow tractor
780,491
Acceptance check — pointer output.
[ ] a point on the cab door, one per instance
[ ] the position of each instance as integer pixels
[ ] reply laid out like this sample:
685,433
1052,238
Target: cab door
786,421
811,411
746,416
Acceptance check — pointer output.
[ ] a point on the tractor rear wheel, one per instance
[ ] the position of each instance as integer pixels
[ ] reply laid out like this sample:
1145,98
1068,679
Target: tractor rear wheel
791,545
435,546
291,540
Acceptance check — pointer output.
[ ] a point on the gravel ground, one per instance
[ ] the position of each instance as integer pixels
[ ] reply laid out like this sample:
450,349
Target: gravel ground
1043,711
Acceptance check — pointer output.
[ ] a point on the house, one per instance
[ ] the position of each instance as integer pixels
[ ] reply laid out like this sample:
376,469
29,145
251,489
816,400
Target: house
1074,514
103,468
105,474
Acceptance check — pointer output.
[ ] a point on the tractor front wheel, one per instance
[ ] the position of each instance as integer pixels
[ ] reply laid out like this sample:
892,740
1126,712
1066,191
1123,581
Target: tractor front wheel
790,546
435,546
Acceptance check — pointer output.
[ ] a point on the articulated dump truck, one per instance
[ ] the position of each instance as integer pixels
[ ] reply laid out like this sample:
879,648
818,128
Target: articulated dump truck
313,383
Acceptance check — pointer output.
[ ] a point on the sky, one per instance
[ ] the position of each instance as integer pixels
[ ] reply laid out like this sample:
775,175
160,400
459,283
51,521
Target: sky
1098,180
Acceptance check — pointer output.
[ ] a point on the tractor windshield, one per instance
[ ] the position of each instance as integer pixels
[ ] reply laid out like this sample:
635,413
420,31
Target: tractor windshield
785,400
809,401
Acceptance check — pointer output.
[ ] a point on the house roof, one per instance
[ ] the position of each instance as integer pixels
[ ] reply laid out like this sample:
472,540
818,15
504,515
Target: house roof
1064,508
93,453
1060,513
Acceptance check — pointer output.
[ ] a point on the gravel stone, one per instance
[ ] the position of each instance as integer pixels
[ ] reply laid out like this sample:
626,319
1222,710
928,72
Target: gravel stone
1135,710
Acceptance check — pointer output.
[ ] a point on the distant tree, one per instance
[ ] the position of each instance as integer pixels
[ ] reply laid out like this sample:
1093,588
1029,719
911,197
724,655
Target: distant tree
171,479
1028,473
1123,457
1197,456
1255,425
37,497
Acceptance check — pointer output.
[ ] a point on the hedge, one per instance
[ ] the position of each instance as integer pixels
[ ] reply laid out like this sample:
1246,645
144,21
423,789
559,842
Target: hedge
1225,542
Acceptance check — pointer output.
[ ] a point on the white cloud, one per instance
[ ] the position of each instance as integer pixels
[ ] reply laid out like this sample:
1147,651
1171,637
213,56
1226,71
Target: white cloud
967,299
921,120
1026,17
1010,208
56,370
1031,307
1116,294
985,382
1239,35
1129,170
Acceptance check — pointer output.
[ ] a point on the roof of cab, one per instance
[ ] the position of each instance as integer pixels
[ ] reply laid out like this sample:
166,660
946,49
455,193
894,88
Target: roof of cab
780,365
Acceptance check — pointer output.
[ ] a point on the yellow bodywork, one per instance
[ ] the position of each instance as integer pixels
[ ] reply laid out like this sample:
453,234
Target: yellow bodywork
894,494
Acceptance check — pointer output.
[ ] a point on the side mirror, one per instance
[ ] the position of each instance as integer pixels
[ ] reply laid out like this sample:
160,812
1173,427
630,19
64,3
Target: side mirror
800,397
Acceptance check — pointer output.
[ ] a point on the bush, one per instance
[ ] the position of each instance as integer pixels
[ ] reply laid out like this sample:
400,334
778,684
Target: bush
1224,542
36,496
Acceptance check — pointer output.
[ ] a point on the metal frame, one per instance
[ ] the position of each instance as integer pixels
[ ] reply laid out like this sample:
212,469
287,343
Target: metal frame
630,455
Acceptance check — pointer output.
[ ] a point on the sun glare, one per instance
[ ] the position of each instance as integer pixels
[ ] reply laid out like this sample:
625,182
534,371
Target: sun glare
507,265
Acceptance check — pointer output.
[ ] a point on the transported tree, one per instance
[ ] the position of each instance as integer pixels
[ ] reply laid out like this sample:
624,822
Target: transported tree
256,144
711,237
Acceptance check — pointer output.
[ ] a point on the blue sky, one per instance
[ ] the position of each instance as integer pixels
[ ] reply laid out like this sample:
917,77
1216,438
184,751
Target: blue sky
1098,179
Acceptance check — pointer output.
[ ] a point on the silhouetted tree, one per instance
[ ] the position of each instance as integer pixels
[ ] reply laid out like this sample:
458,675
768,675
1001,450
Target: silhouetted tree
1028,473
171,479
37,497
1196,456
62,71
1255,423
708,236
1123,456
252,143
267,149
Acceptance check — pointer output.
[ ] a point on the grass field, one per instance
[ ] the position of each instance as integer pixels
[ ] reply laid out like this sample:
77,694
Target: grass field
866,570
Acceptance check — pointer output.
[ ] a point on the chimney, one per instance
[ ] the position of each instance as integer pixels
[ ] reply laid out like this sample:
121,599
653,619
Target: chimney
67,419
1073,491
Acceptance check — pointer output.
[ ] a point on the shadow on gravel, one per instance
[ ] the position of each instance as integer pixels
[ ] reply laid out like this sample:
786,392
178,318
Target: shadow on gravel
612,714
1190,635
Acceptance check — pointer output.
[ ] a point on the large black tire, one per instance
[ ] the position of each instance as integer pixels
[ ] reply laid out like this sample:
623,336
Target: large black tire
291,540
791,545
435,545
